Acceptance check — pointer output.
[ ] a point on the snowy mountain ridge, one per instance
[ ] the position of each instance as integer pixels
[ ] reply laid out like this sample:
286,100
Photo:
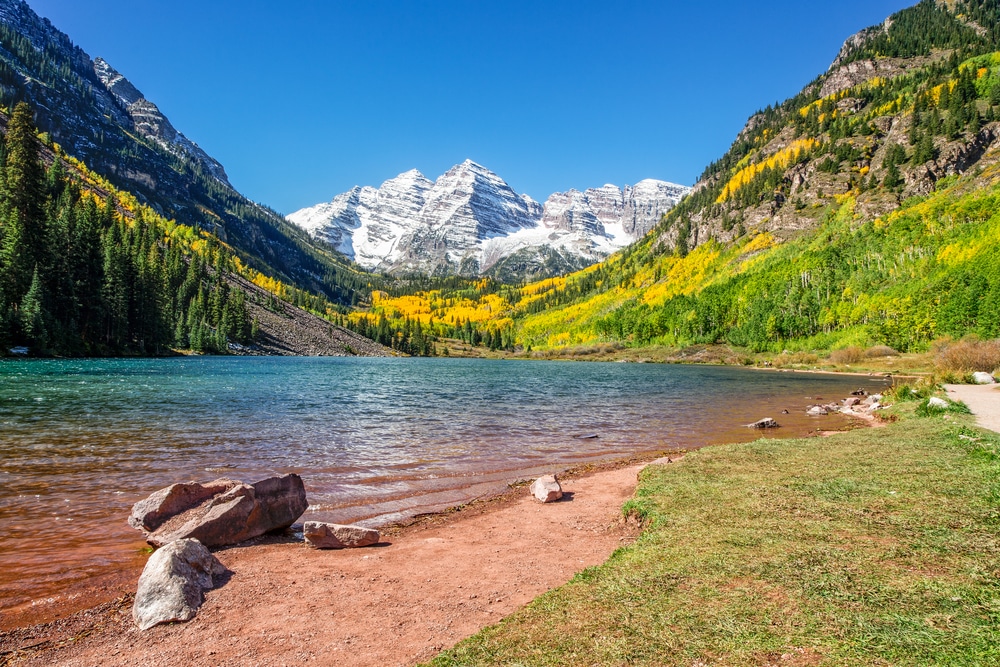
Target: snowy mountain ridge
470,222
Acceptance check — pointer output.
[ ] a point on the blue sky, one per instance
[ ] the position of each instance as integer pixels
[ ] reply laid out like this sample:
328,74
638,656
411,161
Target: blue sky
302,99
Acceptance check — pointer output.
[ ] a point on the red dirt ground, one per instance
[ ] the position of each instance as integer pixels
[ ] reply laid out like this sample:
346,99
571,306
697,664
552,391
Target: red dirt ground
424,588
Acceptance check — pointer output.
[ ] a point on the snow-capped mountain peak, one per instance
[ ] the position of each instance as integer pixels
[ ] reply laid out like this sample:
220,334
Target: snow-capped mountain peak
470,220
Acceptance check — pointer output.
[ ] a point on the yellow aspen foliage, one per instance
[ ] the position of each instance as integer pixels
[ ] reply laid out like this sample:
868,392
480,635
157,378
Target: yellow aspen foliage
779,160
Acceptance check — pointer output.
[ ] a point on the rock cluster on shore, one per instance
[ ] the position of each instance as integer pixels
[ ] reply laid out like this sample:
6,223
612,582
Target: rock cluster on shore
221,512
172,585
859,404
183,519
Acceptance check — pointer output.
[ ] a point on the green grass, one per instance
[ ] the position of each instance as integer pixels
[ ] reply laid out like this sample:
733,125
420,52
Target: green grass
873,547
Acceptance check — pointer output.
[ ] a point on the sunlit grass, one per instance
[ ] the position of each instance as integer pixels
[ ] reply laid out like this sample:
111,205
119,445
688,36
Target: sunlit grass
873,547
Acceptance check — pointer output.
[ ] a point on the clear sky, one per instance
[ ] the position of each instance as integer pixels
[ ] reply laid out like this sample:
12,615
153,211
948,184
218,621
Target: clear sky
303,99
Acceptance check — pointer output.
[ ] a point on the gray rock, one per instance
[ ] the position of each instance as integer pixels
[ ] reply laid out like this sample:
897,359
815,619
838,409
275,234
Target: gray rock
982,378
172,585
817,411
221,512
935,402
336,536
546,489
851,402
766,422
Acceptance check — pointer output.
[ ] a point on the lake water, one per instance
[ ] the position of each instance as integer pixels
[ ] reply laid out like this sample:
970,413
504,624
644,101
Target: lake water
373,439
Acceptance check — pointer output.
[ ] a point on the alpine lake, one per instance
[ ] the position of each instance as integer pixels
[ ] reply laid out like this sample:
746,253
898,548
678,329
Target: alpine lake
375,440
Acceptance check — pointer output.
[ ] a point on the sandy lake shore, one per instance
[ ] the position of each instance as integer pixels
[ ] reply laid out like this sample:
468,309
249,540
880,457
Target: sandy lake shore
425,587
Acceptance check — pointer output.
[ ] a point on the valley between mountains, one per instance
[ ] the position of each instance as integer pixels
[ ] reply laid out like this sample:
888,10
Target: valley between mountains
854,226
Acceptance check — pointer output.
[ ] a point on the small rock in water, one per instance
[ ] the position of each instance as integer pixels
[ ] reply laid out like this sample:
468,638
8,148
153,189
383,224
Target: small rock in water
851,402
766,422
817,411
172,585
546,489
589,436
337,536
859,392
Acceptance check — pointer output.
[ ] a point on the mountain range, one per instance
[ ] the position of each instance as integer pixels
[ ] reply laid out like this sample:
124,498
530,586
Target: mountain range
469,221
860,213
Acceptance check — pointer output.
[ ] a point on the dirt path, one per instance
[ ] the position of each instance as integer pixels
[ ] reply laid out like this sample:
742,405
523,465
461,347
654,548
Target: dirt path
982,399
394,604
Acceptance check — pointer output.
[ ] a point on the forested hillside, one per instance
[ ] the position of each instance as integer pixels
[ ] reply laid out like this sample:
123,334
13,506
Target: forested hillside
862,211
120,135
87,270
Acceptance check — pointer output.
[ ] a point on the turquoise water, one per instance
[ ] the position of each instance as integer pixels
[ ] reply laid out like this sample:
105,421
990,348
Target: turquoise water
374,439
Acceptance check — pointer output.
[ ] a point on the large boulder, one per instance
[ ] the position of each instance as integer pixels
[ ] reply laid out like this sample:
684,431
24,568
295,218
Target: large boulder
172,585
546,489
221,512
982,378
336,536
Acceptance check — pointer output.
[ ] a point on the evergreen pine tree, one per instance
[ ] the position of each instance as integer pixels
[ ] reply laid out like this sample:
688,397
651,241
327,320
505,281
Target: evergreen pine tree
24,183
32,314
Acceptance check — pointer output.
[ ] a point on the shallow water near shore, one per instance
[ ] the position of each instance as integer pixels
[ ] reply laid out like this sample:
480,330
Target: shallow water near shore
375,440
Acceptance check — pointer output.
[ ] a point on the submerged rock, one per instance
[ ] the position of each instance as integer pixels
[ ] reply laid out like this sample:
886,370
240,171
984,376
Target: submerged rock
546,489
172,585
220,512
336,536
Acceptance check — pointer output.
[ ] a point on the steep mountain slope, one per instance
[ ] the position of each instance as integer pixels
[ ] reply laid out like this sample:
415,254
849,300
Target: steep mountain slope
857,212
471,222
99,117
862,211
87,270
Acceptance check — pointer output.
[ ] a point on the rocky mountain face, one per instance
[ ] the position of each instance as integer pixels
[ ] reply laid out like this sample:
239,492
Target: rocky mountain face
469,221
152,124
98,116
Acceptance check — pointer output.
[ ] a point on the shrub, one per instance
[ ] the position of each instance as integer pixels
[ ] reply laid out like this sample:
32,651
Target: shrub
927,410
908,392
968,355
795,359
847,355
880,351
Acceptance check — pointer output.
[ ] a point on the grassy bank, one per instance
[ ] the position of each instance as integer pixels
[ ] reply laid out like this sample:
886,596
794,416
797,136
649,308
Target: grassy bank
872,547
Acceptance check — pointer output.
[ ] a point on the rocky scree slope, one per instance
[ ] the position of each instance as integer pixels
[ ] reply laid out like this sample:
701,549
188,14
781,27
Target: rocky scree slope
98,116
470,222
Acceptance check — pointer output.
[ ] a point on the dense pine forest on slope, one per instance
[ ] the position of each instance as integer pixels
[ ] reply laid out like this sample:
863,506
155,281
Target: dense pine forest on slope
88,270
862,211
124,137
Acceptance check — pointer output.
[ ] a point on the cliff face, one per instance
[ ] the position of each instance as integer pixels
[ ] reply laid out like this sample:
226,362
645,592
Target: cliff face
470,221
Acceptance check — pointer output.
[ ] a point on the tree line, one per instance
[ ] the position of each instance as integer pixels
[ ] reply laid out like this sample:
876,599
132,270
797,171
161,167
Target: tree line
79,276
